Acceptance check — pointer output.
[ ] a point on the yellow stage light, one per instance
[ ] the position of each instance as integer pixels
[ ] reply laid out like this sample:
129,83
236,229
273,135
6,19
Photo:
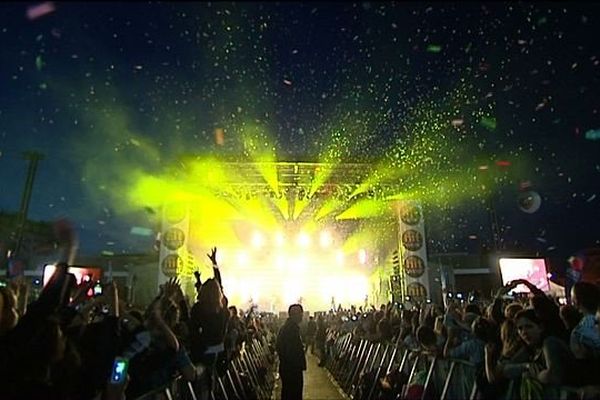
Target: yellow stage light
279,239
242,259
303,240
258,240
325,239
362,256
339,257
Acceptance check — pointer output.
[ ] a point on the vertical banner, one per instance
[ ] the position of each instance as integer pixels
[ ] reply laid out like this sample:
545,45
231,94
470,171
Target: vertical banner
174,238
413,251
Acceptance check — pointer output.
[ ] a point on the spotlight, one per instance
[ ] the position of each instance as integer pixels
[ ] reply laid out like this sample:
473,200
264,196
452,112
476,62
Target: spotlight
279,239
258,239
362,256
339,257
303,240
242,258
325,239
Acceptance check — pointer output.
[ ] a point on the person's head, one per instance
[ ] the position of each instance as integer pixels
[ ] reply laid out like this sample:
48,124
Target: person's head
9,316
210,297
470,318
473,308
426,337
530,327
311,318
41,342
384,328
483,329
570,316
509,335
296,312
132,321
233,312
586,297
512,309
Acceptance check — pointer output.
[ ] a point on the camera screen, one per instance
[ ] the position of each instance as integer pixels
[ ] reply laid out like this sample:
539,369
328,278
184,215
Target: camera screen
97,289
119,371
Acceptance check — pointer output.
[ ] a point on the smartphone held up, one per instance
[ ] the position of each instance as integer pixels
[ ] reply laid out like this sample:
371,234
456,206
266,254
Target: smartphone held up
119,370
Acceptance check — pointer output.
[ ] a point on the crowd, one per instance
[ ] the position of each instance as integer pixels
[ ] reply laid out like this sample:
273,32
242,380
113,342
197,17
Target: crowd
532,340
63,344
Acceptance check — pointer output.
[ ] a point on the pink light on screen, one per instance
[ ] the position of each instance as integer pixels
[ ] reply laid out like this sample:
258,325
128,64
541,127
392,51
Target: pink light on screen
531,269
81,273
37,11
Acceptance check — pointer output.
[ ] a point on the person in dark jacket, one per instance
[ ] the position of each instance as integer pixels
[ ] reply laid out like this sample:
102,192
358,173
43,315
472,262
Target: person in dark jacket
290,349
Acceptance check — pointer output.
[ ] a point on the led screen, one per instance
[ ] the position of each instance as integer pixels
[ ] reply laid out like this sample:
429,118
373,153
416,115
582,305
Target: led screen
531,269
81,273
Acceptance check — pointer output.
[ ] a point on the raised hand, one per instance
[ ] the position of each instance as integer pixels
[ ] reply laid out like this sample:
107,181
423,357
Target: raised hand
67,239
173,289
213,256
80,293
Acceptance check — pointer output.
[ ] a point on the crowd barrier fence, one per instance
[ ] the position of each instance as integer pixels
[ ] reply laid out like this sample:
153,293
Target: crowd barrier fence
360,366
249,376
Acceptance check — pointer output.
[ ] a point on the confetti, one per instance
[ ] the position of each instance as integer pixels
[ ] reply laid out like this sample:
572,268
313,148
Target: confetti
287,82
219,136
457,122
591,198
434,48
489,123
37,11
140,231
39,63
592,134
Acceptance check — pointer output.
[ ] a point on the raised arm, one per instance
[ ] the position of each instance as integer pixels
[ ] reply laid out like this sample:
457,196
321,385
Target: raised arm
213,258
159,323
532,288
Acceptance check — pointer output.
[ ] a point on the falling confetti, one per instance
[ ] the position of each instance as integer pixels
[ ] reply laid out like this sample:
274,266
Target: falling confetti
434,48
488,122
140,231
219,136
39,63
457,122
37,11
593,134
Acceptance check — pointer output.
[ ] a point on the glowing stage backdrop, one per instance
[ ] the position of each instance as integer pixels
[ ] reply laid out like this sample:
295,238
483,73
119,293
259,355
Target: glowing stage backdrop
285,232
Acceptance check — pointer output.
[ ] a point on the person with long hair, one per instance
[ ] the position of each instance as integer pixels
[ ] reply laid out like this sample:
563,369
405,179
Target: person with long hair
208,321
550,360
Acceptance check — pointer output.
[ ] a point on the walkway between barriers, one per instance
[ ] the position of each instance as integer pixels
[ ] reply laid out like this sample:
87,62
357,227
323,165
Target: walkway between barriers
318,383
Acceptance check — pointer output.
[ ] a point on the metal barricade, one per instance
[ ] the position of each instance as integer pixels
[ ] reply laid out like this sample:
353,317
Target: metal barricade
252,364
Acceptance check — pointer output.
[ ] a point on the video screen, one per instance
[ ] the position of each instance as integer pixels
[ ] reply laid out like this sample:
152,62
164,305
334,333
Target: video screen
531,269
82,274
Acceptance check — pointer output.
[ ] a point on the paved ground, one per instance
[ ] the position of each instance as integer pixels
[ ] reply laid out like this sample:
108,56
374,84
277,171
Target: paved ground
318,383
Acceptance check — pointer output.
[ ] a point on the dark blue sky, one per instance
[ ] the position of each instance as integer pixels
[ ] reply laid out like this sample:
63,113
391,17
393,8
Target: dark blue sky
77,83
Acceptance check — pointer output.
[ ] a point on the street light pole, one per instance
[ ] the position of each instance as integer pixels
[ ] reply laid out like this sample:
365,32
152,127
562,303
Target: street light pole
34,158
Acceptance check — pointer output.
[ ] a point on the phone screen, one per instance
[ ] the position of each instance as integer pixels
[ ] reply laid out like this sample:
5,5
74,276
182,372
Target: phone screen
98,289
119,370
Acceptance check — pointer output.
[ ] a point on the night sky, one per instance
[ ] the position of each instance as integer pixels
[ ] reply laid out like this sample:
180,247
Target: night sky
100,88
